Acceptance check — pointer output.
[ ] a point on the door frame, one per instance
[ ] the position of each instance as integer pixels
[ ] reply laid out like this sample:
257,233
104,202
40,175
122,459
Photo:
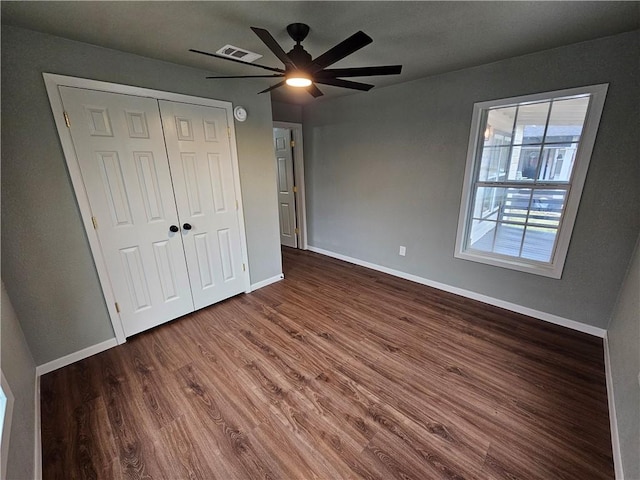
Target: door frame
298,173
52,82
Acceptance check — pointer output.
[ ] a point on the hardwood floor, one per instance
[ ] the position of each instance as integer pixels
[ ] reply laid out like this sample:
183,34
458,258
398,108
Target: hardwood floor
336,372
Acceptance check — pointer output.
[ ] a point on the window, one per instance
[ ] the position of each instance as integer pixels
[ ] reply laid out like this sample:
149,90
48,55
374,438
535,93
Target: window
6,412
526,165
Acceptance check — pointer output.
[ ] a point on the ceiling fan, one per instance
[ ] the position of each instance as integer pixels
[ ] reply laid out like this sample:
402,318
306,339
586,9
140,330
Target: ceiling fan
301,70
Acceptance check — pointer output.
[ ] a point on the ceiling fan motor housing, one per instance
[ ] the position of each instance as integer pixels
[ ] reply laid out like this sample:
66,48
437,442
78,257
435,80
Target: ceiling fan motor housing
299,56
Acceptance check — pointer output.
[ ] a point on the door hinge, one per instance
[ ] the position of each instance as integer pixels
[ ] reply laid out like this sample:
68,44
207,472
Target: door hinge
94,220
244,267
66,120
117,307
295,189
229,132
293,143
297,231
237,207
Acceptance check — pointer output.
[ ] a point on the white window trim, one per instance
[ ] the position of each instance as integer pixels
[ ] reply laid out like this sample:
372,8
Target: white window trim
583,157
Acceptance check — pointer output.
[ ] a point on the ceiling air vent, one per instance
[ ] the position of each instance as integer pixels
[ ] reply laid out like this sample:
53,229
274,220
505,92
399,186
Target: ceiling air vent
238,53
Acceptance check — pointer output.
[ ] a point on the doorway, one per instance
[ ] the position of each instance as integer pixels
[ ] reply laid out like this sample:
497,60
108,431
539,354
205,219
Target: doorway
288,149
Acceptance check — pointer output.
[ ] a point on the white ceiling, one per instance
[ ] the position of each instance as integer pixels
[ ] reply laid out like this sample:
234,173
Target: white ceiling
426,37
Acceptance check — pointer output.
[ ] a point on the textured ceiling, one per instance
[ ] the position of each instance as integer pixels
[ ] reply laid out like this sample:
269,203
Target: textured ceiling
427,38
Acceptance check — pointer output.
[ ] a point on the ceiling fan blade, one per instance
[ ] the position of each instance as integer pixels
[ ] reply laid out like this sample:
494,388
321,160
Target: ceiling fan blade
337,82
249,76
314,90
272,87
271,69
274,46
360,71
347,47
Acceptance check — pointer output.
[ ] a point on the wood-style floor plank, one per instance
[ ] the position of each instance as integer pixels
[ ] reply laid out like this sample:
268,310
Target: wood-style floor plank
336,372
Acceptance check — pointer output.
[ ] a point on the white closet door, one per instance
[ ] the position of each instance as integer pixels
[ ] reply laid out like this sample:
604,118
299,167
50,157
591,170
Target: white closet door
199,152
120,148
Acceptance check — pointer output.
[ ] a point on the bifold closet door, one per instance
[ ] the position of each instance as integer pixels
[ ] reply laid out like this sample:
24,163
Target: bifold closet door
199,150
120,147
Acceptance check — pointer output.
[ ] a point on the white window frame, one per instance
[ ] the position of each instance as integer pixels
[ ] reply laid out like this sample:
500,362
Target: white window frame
553,268
6,415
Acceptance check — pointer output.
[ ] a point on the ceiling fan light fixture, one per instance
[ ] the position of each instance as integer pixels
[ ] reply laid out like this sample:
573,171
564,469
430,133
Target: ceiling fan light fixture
298,79
300,69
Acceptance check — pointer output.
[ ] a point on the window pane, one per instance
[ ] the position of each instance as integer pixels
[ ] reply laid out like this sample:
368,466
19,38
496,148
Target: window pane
516,205
524,163
487,202
530,123
538,243
493,165
557,162
499,126
566,120
508,239
481,236
546,207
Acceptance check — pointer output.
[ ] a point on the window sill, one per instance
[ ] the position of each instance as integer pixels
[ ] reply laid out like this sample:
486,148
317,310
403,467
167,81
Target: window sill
535,268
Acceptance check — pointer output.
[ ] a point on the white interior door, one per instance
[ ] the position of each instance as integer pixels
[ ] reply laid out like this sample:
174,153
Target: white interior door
199,152
286,194
121,153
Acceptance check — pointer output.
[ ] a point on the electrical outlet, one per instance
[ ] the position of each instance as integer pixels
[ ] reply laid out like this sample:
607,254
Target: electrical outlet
403,251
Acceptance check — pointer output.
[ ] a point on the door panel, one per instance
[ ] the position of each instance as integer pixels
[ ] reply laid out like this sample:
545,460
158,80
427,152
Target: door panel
149,185
120,149
199,152
286,196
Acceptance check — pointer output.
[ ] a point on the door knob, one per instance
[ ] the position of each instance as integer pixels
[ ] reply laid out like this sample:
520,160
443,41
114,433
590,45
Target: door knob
186,226
174,228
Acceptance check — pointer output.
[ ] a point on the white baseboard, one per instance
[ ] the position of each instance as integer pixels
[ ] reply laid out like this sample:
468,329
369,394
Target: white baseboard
268,281
496,302
37,453
613,418
75,357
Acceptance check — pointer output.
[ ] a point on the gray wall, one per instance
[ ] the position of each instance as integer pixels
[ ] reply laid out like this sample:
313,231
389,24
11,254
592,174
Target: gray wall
286,112
20,372
47,265
385,168
624,354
